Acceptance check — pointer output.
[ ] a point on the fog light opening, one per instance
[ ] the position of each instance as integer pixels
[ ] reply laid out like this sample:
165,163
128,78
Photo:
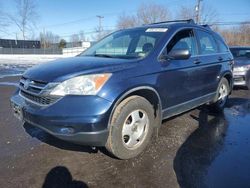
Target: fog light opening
67,130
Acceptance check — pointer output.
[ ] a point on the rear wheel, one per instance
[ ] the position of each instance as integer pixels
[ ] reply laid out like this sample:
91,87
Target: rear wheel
131,127
221,95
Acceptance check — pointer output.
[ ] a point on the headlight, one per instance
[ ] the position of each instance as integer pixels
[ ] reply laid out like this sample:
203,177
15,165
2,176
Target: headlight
81,85
242,68
247,67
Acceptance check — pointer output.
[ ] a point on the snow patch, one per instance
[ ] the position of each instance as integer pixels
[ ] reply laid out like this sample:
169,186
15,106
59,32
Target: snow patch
16,64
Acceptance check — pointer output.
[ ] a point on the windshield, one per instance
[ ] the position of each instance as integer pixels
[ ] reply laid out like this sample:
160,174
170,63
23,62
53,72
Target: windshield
241,52
126,44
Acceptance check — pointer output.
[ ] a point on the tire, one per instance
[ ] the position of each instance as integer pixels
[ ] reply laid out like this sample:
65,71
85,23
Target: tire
131,127
248,84
222,93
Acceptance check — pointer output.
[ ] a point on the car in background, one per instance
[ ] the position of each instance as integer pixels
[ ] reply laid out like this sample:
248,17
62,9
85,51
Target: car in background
241,72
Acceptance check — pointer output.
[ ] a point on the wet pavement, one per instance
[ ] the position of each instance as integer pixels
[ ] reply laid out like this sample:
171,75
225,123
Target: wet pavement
195,149
217,153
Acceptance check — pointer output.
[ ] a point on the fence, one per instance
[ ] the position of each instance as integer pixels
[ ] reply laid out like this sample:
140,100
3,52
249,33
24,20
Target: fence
53,50
73,51
30,51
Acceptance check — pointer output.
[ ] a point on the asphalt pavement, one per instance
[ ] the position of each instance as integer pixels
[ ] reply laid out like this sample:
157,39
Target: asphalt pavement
194,149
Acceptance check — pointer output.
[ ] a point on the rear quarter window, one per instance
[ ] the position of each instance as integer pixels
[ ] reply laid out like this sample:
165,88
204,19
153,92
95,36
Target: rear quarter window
207,43
221,44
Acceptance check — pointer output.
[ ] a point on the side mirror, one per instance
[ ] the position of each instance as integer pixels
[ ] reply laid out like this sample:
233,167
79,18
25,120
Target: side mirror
179,54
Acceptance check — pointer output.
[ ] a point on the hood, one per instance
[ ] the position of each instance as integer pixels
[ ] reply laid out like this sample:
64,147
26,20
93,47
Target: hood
238,62
63,69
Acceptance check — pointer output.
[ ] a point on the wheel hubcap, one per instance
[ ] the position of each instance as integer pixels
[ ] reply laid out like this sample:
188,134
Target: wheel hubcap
222,94
135,129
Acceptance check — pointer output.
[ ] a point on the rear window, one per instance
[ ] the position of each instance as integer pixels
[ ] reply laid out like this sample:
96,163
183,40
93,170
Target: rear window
240,53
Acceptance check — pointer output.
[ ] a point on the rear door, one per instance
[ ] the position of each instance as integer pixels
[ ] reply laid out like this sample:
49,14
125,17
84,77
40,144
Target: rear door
210,62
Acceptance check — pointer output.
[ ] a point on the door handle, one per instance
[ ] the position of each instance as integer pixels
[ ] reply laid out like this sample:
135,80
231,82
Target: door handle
197,61
220,58
230,62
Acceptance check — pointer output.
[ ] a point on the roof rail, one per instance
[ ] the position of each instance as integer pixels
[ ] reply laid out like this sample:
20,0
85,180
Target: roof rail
191,21
206,26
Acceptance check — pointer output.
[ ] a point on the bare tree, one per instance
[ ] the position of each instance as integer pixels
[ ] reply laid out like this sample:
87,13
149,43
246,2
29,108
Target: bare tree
81,35
98,35
146,13
208,14
237,35
74,39
48,39
3,21
126,21
25,17
150,13
186,13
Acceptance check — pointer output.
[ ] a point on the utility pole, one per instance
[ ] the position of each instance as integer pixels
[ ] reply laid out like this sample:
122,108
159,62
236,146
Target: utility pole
197,11
100,25
43,40
16,39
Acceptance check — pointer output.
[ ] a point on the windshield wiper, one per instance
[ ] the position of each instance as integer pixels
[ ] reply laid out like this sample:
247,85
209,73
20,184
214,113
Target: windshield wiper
103,55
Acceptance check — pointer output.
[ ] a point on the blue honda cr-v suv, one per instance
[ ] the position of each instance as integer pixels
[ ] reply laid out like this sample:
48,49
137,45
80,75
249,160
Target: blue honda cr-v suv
116,93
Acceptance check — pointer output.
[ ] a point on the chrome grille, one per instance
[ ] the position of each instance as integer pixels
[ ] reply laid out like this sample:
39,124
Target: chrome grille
33,91
34,86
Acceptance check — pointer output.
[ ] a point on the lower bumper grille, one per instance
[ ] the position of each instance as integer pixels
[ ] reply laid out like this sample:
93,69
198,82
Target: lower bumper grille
239,79
41,100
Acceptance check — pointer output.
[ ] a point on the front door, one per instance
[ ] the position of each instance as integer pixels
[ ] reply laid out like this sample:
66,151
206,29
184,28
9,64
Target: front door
181,79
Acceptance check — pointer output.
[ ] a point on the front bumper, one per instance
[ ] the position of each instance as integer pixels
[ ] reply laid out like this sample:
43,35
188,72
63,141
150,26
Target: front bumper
240,78
78,119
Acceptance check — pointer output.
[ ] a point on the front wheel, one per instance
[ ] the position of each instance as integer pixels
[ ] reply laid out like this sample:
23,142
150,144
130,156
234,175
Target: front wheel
221,95
248,83
131,127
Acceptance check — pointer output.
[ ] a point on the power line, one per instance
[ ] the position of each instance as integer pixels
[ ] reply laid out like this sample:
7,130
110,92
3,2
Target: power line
240,14
113,28
93,17
84,19
211,24
86,33
229,23
90,30
70,22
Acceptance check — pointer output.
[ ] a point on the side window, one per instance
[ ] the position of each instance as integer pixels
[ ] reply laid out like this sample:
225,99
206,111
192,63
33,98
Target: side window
183,40
222,46
207,43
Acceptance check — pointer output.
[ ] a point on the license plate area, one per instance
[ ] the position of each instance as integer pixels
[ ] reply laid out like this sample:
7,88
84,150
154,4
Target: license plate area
17,110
